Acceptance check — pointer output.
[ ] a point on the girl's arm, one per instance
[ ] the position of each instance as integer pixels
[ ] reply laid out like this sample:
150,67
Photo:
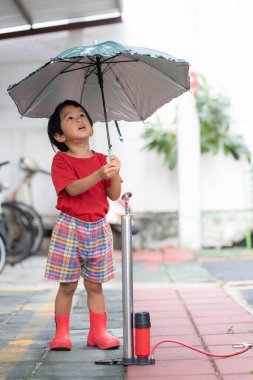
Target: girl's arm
113,191
79,186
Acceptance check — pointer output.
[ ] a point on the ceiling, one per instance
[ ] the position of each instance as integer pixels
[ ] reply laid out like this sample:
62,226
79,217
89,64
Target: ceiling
27,17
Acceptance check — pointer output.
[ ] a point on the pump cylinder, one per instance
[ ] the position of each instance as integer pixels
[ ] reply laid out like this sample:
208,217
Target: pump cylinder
127,287
142,334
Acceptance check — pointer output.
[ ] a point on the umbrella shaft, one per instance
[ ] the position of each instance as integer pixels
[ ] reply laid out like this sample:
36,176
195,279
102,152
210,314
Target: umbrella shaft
101,84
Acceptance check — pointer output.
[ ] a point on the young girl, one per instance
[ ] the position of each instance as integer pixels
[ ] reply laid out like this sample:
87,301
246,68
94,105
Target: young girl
81,243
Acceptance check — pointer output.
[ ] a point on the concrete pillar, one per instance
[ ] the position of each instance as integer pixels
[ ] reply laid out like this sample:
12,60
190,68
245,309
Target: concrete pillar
188,146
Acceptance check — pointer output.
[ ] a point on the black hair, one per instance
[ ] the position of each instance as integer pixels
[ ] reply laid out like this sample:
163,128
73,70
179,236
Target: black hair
54,124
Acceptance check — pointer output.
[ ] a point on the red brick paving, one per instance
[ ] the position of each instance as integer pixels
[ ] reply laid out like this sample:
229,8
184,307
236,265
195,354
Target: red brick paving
174,352
228,339
229,319
236,366
227,348
190,377
235,377
166,255
210,301
178,367
197,316
188,338
171,323
215,311
240,328
172,331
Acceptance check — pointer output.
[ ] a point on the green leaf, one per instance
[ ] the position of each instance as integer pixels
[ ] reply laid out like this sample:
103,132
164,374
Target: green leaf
214,119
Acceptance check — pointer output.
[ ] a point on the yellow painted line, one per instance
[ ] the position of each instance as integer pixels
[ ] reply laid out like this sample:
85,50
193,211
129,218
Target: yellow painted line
47,309
222,259
212,259
16,349
238,283
30,307
12,355
21,342
25,289
244,258
241,285
245,287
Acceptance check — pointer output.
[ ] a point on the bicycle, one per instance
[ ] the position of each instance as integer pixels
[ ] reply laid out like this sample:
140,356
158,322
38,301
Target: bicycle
30,169
16,230
3,251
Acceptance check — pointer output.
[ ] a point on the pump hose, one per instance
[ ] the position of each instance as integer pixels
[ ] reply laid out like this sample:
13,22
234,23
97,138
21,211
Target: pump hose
247,346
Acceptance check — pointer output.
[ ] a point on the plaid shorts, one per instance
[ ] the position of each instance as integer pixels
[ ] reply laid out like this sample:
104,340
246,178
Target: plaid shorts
79,248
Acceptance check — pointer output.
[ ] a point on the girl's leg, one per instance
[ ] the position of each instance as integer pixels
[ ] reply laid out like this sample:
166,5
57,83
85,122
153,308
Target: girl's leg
63,300
98,334
95,296
63,303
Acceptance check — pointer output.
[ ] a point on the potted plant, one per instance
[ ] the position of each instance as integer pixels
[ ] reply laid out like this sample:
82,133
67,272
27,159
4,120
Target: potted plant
214,119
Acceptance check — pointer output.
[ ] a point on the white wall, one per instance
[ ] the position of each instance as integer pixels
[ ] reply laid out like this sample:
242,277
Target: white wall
214,36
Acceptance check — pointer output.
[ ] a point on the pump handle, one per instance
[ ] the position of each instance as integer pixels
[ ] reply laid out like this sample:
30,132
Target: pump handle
126,196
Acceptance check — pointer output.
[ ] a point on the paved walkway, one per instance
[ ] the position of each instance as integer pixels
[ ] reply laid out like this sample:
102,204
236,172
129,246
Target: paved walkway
195,309
185,302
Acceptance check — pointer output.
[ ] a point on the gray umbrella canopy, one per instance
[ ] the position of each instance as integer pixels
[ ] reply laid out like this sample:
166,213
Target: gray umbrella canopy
136,82
112,81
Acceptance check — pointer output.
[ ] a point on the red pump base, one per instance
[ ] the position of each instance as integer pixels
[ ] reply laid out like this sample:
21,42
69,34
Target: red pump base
142,347
142,344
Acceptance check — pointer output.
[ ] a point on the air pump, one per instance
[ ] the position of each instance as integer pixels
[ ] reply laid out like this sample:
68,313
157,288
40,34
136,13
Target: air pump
136,328
136,344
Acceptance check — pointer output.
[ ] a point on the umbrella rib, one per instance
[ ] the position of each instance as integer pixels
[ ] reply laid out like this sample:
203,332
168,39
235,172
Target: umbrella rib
74,62
79,68
115,62
110,68
107,67
89,73
84,81
87,65
89,57
149,64
166,75
41,90
106,59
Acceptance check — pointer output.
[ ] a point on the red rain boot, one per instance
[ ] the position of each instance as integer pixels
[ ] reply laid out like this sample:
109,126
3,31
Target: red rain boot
61,341
98,334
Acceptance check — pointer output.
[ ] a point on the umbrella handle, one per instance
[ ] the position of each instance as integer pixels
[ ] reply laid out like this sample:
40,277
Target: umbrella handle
110,153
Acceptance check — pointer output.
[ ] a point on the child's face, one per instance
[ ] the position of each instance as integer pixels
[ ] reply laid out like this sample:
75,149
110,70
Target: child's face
74,124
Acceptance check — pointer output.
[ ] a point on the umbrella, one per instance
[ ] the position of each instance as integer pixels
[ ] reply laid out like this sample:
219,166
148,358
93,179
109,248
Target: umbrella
112,81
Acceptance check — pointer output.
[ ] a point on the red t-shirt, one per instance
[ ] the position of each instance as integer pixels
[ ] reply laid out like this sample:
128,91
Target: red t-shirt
90,206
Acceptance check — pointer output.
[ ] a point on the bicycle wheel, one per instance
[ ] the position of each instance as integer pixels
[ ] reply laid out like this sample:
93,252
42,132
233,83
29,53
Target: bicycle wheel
19,232
3,252
38,226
